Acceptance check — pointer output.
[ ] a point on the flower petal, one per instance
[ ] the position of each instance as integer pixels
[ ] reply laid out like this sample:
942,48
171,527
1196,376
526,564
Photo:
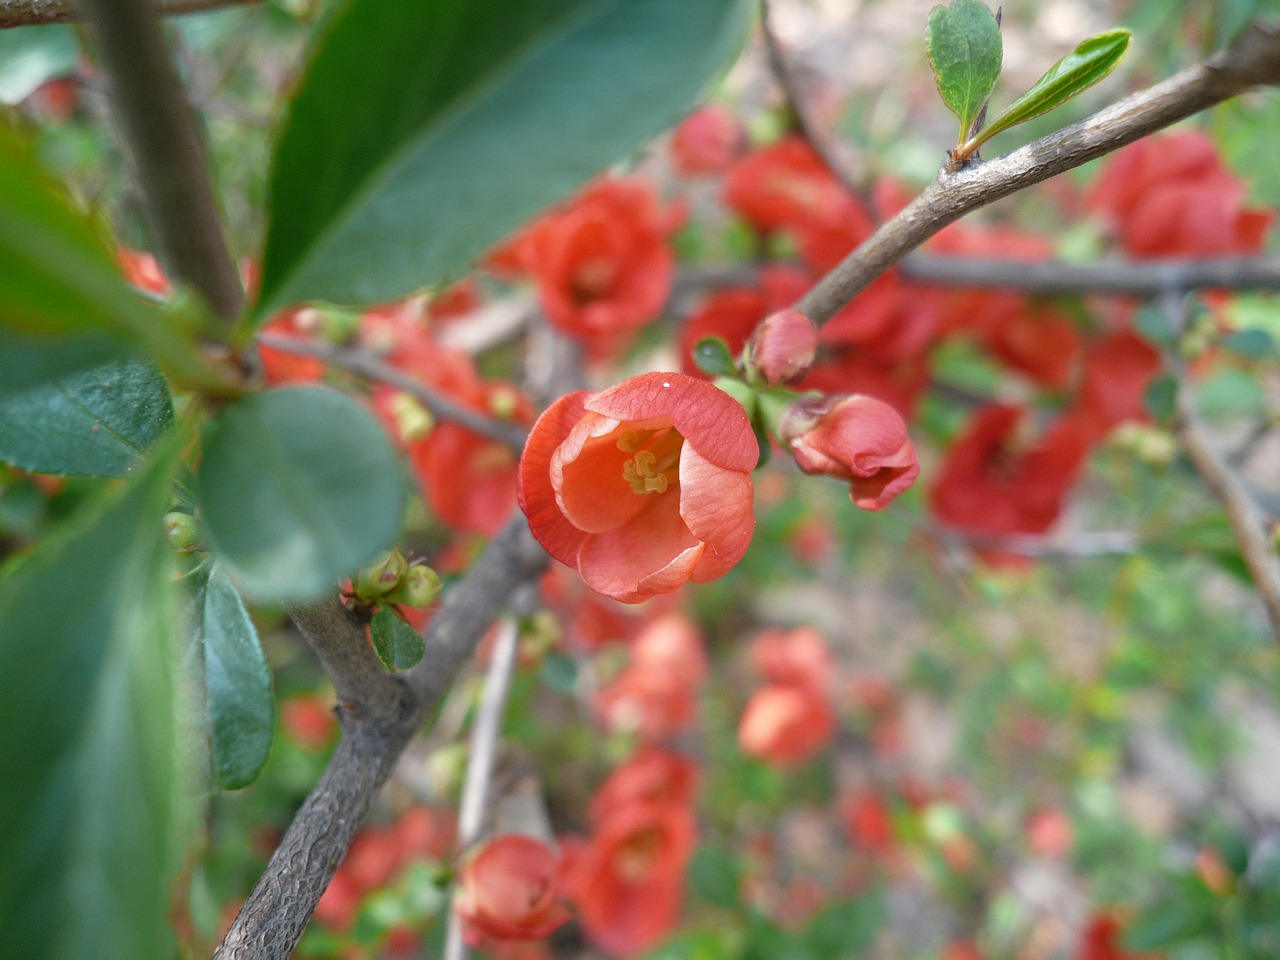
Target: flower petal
653,553
535,491
716,506
708,418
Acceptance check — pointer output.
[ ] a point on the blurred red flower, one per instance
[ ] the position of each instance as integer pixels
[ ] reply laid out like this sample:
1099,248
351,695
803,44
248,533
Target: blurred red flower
628,879
1118,368
784,184
1172,196
655,695
642,487
510,891
995,480
602,264
786,725
653,775
706,141
798,657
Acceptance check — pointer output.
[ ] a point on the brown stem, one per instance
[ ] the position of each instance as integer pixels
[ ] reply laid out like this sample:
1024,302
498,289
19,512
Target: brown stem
365,364
164,144
804,126
380,714
26,13
1253,59
1131,277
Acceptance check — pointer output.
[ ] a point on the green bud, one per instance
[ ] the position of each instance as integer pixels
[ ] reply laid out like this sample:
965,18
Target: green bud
182,530
420,586
381,576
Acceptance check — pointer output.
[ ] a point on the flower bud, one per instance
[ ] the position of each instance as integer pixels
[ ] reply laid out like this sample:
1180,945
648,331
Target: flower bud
782,347
418,589
183,531
854,438
380,577
510,891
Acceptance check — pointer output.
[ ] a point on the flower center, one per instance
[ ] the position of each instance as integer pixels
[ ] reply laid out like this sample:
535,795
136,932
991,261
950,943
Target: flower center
656,464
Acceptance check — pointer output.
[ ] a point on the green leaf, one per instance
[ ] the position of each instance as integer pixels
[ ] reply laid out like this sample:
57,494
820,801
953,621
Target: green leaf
97,422
847,928
397,644
31,55
28,362
560,672
298,487
1168,923
424,133
1253,344
711,355
715,875
88,800
1160,398
58,278
237,683
1089,63
965,51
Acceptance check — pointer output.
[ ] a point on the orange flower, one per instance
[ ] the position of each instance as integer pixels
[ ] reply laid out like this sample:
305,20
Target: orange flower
653,775
785,725
706,141
796,657
629,878
510,891
602,265
642,487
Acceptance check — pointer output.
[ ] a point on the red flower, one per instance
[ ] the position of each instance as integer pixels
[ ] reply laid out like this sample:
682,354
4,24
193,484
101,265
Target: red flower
1101,940
602,266
510,891
1117,371
785,184
629,878
282,366
992,482
309,721
869,821
652,776
642,487
707,141
786,725
833,232
1049,832
1171,196
853,438
143,271
796,657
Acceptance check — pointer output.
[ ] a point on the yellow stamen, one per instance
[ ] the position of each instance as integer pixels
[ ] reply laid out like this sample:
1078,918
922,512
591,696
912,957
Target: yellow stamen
656,466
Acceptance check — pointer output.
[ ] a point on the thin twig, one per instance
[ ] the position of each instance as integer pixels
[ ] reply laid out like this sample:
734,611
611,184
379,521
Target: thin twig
804,126
165,146
1250,526
1253,59
480,759
1129,277
272,919
365,364
26,13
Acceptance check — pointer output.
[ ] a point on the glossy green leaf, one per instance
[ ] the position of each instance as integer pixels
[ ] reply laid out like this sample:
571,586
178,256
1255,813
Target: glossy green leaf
711,355
397,644
298,487
31,55
1089,63
424,133
97,422
59,279
237,683
29,362
965,52
89,799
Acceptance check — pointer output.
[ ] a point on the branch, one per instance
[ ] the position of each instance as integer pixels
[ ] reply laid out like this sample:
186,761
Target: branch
26,13
1252,59
365,364
164,144
374,734
781,70
1134,277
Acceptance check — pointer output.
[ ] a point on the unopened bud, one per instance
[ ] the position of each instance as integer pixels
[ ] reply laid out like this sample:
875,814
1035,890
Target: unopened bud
783,347
182,530
418,589
380,577
504,401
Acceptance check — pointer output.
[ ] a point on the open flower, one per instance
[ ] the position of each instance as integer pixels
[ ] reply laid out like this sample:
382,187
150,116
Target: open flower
510,891
642,487
854,438
785,725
